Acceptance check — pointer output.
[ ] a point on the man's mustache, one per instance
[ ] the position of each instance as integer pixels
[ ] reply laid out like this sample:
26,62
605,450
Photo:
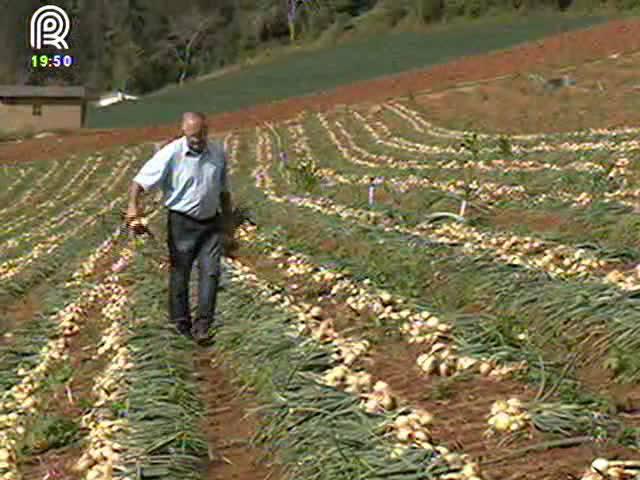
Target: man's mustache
197,144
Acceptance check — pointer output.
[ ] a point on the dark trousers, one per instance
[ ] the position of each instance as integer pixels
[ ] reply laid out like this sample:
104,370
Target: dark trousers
190,239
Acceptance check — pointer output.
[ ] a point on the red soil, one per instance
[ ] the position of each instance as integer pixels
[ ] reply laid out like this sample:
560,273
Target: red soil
567,48
460,408
228,425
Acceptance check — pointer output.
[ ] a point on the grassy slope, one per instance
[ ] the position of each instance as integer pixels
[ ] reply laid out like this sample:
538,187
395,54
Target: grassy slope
308,72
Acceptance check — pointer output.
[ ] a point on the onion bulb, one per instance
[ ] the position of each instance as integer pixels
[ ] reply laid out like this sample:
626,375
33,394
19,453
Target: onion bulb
403,434
600,465
499,406
420,436
501,421
485,368
402,421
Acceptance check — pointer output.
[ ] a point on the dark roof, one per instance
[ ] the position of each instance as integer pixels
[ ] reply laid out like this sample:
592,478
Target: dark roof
17,91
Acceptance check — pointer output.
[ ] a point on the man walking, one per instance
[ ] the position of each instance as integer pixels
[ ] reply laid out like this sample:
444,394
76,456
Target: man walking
192,174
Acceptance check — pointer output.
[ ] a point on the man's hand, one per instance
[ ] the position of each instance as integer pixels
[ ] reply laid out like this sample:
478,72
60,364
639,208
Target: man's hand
138,226
132,220
136,223
132,213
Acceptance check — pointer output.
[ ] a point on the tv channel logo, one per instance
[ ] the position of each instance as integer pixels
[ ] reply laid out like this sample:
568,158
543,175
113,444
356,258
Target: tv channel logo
50,26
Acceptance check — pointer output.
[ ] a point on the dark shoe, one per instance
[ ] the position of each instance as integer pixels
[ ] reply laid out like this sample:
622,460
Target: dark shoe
183,328
200,332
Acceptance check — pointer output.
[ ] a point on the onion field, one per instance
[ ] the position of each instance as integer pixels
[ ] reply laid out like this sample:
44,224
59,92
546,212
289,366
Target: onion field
408,302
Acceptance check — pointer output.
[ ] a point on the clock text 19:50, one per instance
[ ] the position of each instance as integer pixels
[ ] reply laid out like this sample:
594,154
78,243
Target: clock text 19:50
51,61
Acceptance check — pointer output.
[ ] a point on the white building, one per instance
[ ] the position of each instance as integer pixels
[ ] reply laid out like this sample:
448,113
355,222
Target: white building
114,97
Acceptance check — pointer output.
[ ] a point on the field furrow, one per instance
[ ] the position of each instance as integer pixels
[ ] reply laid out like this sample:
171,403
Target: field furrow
14,179
49,175
419,123
76,188
51,243
429,381
24,400
606,144
496,204
551,257
301,274
87,206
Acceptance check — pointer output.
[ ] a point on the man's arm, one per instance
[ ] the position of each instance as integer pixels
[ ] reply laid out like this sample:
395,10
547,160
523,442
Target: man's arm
150,176
135,192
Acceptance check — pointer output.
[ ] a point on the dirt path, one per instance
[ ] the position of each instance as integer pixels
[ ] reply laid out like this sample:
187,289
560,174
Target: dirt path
597,42
228,427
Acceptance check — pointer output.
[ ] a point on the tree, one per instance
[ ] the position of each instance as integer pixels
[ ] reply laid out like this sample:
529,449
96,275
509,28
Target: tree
186,33
294,7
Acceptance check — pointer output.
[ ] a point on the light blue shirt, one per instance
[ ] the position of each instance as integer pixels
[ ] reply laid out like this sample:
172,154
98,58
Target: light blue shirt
190,183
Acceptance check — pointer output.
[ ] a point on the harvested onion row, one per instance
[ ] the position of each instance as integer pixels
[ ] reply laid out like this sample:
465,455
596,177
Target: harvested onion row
55,170
310,323
21,401
91,165
377,397
610,144
103,454
420,124
620,167
419,325
619,171
123,166
23,177
603,469
489,192
367,158
486,191
12,267
372,160
557,260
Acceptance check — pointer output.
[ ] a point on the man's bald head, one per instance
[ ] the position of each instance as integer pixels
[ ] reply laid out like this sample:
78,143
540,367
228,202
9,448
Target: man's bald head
194,127
193,123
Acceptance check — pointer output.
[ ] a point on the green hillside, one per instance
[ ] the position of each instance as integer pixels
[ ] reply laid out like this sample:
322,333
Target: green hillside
304,73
